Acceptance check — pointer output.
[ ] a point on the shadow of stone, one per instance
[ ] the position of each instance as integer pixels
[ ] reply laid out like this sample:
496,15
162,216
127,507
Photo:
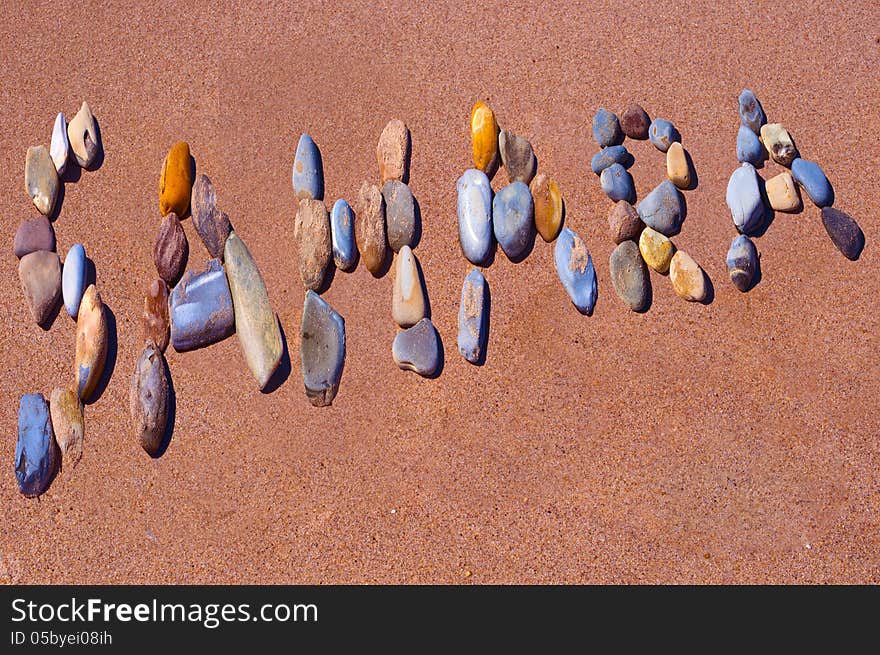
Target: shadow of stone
110,361
172,414
99,156
279,377
710,290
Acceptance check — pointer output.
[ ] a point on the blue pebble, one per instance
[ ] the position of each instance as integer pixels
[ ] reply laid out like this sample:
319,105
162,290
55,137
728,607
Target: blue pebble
742,262
744,199
663,134
611,155
475,216
308,170
663,209
473,317
810,176
751,114
36,453
201,308
345,253
749,147
606,128
73,279
618,184
513,219
574,265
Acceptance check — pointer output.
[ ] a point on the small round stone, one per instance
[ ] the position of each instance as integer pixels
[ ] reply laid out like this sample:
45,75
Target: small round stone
811,177
475,216
33,234
66,411
778,143
155,321
517,156
678,169
73,278
687,277
170,249
744,199
41,179
548,206
634,122
606,128
148,399
408,299
393,152
624,223
782,193
40,275
663,134
484,138
656,249
176,180
749,147
370,227
617,183
751,114
400,214
844,232
742,262
308,170
312,234
629,276
345,252
611,155
417,348
513,219
91,343
663,209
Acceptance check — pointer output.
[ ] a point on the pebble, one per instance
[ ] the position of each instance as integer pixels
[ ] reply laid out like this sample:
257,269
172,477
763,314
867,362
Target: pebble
59,147
148,399
33,234
744,199
393,152
548,205
417,348
811,177
611,155
751,114
322,350
663,134
629,276
517,156
176,180
656,249
606,128
308,170
742,262
408,299
678,169
36,453
156,327
82,133
624,222
400,214
345,254
370,227
40,275
844,232
574,265
749,147
513,219
687,277
201,308
475,216
73,279
211,224
663,209
170,249
782,193
255,322
66,411
484,138
312,233
778,143
91,343
473,317
41,179
635,122
617,183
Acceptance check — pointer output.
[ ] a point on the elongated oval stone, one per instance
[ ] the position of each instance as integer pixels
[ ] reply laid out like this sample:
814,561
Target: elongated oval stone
41,179
33,234
417,348
36,453
749,147
400,214
201,308
308,170
742,262
370,227
629,276
408,299
176,180
678,168
656,249
782,193
611,155
844,232
322,350
91,343
59,147
513,219
778,143
744,199
606,128
635,122
66,411
751,114
393,152
40,275
473,317
624,223
484,138
155,319
73,278
811,177
82,134
663,134
170,249
212,225
345,254
617,183
548,206
312,233
255,322
517,156
574,266
663,209
475,216
148,399
687,277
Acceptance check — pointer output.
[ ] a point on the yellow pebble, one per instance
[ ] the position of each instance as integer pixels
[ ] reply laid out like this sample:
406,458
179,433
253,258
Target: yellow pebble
484,137
656,249
687,277
176,180
548,206
782,193
677,169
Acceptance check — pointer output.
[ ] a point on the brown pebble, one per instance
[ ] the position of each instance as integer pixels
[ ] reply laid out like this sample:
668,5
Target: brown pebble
370,227
844,232
211,224
33,234
312,234
635,122
156,325
170,249
40,275
624,223
548,206
67,422
393,152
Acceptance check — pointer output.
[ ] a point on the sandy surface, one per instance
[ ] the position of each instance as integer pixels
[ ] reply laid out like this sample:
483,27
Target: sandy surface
733,442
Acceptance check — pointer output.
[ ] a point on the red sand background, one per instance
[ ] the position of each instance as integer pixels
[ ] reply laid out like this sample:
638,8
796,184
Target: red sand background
734,442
